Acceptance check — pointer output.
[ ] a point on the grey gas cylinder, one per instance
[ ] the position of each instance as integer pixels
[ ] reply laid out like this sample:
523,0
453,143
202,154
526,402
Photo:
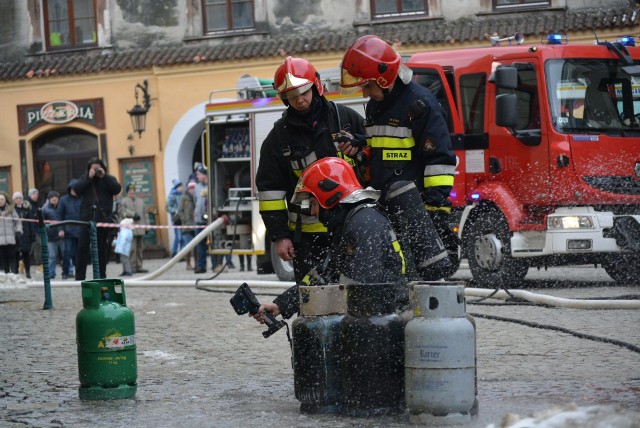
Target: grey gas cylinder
440,355
316,348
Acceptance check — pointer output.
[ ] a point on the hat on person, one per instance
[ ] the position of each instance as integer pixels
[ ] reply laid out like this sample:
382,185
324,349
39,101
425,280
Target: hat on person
32,191
72,183
191,185
53,194
18,195
202,169
176,183
129,186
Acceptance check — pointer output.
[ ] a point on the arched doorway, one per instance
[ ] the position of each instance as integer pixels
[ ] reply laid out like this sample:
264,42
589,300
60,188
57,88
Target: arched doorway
59,156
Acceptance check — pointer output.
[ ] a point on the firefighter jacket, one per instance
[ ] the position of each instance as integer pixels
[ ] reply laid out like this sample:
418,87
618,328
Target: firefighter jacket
365,250
409,140
296,141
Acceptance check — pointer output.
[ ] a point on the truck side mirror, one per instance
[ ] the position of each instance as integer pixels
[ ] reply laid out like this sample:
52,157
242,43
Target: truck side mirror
505,77
507,110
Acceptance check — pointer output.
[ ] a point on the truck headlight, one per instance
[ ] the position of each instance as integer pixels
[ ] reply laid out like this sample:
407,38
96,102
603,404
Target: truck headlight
570,222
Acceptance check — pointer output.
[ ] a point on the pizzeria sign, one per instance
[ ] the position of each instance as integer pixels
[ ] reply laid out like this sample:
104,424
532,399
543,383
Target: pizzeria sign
60,112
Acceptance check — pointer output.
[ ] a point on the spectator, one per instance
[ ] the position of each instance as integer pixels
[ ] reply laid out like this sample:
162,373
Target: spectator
10,229
96,190
69,209
29,232
132,206
36,247
241,259
186,212
123,245
173,200
55,235
200,215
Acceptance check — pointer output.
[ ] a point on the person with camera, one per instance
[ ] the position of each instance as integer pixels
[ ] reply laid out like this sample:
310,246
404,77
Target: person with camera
132,206
96,190
364,248
306,132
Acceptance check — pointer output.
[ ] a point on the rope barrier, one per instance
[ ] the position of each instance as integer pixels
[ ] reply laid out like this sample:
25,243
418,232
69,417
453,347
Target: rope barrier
115,225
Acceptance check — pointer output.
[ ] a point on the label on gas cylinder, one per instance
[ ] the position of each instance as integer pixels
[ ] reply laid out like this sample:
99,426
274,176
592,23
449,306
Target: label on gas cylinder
119,342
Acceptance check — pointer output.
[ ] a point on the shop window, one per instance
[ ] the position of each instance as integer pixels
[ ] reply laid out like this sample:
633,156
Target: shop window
520,4
398,8
227,15
69,24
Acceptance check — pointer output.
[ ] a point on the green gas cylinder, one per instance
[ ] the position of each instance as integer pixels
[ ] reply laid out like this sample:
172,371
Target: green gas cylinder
105,335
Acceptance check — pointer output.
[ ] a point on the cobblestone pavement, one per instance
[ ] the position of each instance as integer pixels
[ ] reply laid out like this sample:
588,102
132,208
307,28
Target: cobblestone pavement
201,365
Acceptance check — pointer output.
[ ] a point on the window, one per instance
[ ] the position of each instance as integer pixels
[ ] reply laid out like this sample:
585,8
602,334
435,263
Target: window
69,23
519,4
227,15
394,8
527,94
473,89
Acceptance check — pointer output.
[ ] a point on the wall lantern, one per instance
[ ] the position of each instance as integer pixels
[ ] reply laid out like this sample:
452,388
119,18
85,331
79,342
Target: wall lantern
139,112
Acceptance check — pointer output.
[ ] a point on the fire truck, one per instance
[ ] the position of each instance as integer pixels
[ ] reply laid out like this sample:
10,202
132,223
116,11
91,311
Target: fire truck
547,138
548,144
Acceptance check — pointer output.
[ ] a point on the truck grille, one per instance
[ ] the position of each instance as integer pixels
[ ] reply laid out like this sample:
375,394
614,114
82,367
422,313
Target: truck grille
622,185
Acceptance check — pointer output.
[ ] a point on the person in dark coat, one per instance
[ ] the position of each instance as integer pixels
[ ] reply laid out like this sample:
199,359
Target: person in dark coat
29,231
69,209
55,235
33,198
96,190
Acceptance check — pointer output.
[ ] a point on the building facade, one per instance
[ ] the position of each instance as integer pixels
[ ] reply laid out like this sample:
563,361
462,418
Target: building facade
70,71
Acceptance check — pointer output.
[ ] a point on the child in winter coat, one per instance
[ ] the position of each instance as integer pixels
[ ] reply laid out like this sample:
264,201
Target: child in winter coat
123,245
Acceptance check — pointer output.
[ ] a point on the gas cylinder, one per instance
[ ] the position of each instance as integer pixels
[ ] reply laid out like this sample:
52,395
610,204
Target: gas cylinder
105,336
440,355
372,345
316,348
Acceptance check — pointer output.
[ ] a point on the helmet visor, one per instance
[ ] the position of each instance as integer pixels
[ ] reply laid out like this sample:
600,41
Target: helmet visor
287,94
350,84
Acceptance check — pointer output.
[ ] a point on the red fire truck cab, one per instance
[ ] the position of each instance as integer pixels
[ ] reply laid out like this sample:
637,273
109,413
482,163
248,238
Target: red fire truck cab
548,144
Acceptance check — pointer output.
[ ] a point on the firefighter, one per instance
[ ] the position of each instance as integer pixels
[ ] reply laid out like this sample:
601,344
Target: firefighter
407,137
306,132
364,248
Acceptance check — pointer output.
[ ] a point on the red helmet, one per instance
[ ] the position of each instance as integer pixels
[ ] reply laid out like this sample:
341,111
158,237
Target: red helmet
294,77
369,58
329,180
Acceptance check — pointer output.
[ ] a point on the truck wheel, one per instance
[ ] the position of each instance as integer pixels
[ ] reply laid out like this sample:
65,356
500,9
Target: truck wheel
623,268
284,270
487,245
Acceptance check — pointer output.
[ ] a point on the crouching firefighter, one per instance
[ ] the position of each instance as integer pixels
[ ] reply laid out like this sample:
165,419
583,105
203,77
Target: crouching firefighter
364,248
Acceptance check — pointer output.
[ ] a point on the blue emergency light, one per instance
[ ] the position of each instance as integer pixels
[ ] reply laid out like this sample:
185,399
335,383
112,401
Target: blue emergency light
627,40
554,39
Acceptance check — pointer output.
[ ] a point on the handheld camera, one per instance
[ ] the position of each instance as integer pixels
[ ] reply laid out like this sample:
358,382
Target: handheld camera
244,301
